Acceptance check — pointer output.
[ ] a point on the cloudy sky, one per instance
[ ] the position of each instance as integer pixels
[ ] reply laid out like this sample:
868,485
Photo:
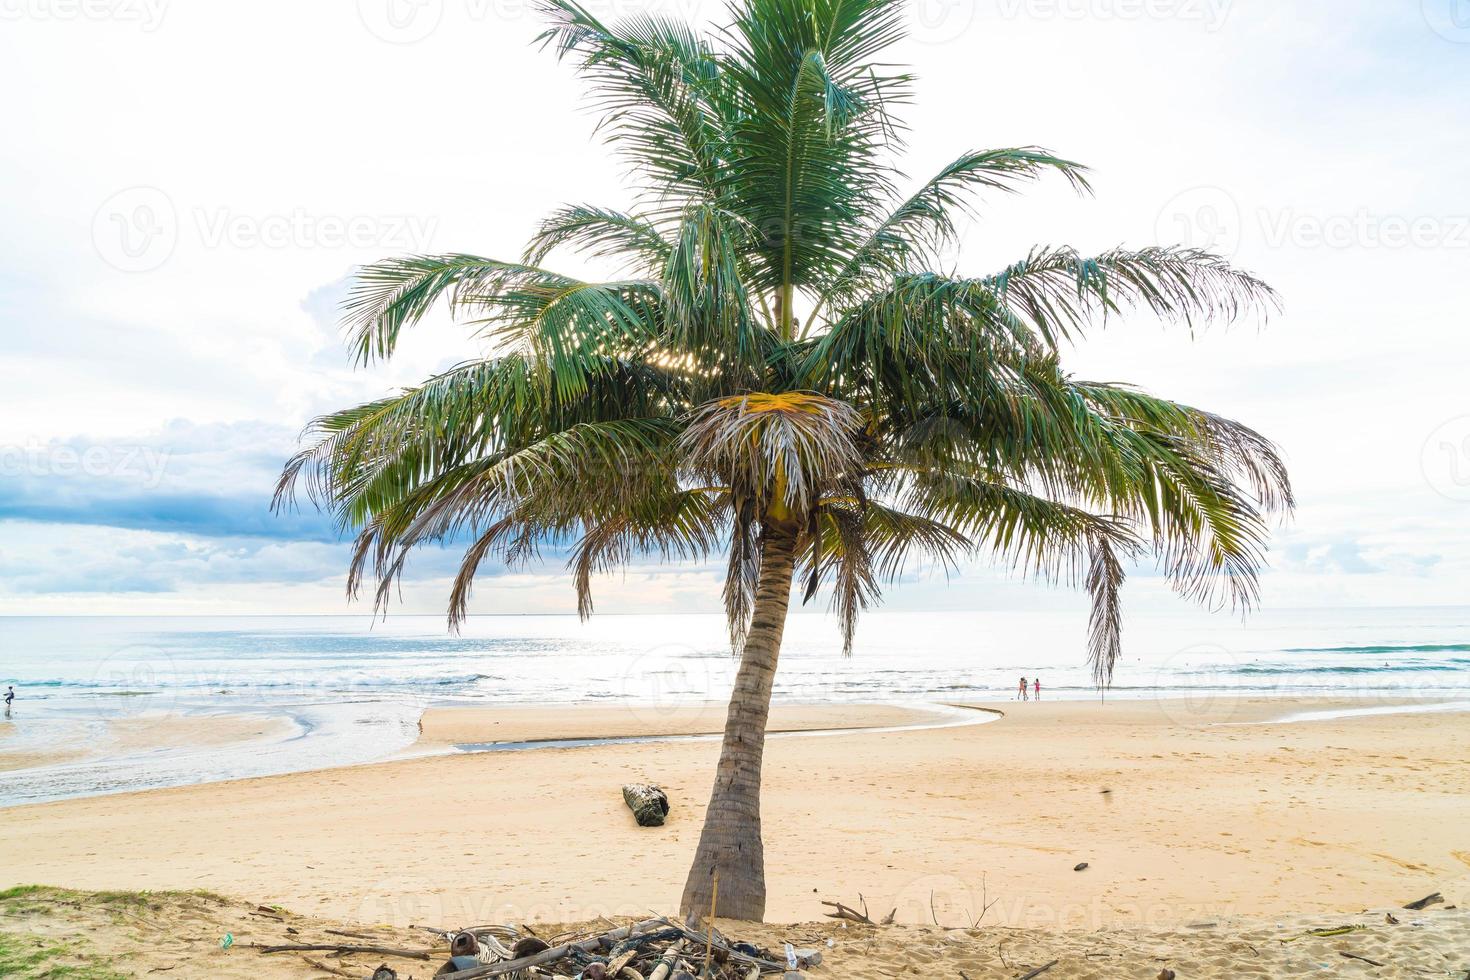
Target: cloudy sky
189,183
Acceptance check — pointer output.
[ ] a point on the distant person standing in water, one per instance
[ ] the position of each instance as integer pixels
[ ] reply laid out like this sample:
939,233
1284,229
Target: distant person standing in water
1023,689
1036,688
9,697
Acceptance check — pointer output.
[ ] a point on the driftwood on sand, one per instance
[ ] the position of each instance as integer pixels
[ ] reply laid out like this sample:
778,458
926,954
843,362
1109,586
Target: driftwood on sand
650,805
558,953
840,911
655,949
339,949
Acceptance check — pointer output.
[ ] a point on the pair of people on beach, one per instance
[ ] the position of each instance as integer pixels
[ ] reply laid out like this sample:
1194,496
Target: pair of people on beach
1035,689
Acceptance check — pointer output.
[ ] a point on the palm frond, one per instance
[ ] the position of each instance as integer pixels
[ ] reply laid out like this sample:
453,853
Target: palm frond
1060,293
918,230
1105,624
807,164
602,233
708,312
653,81
679,526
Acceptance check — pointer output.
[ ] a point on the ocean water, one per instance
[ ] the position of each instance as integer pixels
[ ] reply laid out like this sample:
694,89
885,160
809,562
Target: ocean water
352,688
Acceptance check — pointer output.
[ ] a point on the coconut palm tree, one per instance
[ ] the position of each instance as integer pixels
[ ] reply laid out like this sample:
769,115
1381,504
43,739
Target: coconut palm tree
777,372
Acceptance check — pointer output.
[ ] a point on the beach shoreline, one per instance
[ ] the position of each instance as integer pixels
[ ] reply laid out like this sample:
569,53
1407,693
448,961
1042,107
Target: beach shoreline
1202,820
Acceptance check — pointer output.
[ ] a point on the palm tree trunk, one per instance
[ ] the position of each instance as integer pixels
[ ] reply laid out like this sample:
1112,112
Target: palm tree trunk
731,840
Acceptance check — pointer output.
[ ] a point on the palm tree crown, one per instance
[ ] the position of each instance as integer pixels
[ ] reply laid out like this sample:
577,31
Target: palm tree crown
780,374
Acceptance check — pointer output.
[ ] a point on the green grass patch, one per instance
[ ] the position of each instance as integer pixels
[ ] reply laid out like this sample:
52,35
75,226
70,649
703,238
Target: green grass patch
36,958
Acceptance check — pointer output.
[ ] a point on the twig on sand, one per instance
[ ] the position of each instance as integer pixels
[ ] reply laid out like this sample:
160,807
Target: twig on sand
328,968
1038,971
984,905
1355,956
850,914
408,954
353,935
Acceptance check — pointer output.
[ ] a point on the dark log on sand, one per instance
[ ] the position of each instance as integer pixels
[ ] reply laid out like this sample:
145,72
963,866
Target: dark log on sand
1425,902
650,805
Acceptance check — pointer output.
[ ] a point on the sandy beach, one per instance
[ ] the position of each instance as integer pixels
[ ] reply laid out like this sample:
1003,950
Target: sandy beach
1184,812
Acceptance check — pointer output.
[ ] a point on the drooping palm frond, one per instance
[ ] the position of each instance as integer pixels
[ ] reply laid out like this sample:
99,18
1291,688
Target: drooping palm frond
1105,576
680,526
858,544
709,315
842,549
1060,293
1042,537
445,421
602,233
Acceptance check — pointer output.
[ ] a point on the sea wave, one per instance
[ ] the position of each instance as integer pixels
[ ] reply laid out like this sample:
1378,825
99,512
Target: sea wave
1399,668
1387,648
202,682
